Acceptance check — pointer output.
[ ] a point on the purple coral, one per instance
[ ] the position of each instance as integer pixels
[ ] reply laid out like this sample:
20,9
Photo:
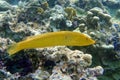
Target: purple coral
116,46
1,64
114,38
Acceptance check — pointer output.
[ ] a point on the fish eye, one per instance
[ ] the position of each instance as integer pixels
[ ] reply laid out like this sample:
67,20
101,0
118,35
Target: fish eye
87,38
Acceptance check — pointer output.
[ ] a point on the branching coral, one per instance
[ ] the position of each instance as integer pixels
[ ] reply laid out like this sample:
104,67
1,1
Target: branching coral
40,10
71,13
96,17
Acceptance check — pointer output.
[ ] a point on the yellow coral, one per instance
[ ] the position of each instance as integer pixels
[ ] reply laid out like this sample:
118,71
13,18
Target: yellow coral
40,10
45,5
71,12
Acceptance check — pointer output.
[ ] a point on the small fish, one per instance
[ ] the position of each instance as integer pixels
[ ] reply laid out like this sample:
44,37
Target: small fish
60,38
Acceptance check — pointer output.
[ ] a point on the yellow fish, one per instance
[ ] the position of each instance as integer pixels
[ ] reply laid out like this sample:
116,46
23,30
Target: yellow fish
61,38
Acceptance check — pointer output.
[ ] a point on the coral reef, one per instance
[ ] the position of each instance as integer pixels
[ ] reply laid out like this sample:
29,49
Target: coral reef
100,26
99,19
112,3
5,6
57,18
86,4
96,17
107,46
118,14
56,63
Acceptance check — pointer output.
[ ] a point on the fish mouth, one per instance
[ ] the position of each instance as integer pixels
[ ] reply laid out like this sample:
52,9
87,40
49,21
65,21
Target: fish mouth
93,41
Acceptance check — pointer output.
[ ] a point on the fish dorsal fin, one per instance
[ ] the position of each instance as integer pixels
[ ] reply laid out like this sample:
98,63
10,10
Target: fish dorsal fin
28,38
31,37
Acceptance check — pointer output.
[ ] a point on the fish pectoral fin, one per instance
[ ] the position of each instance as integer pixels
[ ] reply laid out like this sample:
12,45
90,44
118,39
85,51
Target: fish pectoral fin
12,49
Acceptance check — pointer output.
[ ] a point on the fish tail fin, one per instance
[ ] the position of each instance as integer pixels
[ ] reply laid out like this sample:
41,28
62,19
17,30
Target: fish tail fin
12,49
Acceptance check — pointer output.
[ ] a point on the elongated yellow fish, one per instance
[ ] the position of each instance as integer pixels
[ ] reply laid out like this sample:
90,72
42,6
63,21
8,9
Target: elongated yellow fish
61,38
